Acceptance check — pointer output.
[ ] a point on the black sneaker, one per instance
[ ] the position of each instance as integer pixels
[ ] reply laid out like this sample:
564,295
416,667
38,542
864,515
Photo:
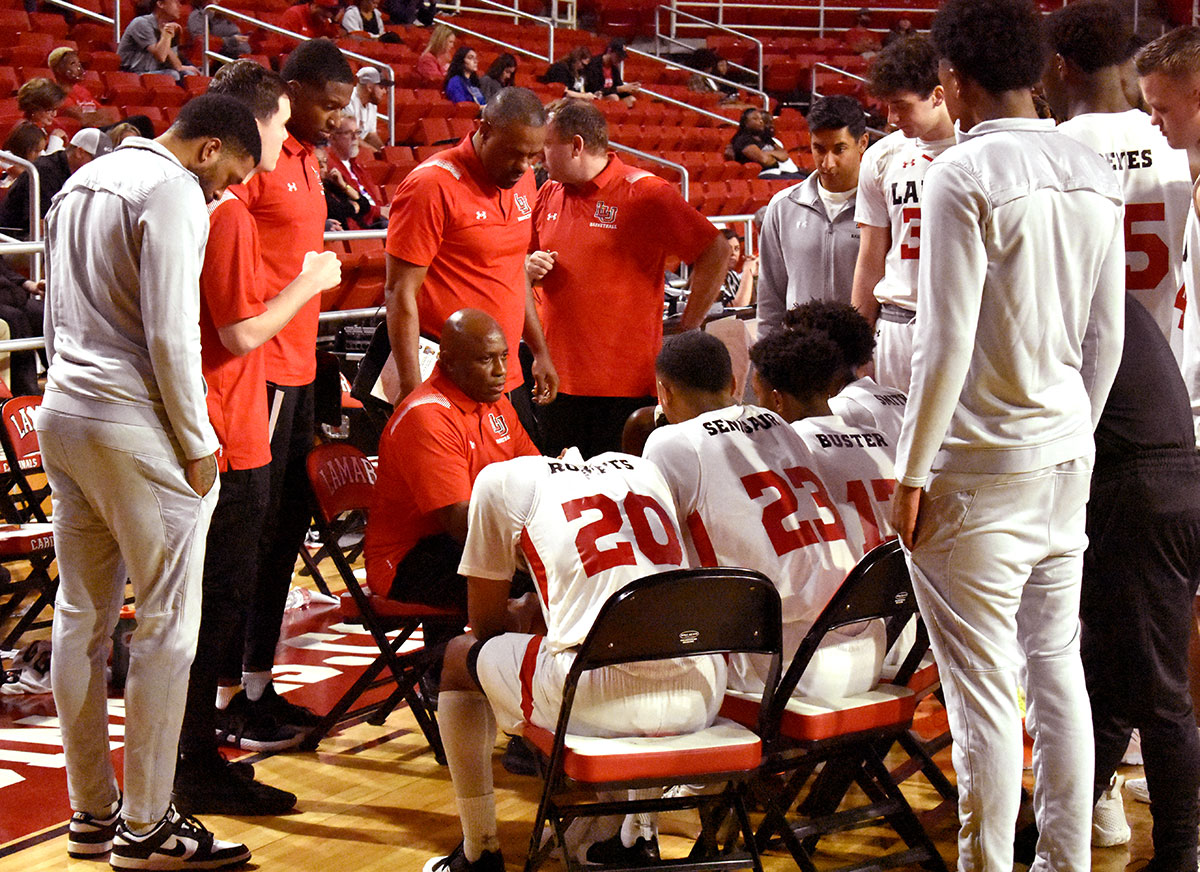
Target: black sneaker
176,842
207,784
90,836
612,852
287,713
456,861
245,725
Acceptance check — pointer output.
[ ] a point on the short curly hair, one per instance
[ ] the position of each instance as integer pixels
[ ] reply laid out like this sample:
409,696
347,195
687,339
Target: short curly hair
908,64
844,324
997,43
802,363
695,360
1091,34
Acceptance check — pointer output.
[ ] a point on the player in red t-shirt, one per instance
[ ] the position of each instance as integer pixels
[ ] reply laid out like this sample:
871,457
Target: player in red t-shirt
288,207
605,230
434,446
234,322
457,237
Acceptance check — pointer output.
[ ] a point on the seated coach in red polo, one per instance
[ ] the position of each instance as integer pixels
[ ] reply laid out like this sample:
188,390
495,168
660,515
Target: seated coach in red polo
437,441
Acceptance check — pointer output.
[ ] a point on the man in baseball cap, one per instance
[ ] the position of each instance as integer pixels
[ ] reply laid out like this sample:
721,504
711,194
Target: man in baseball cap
364,104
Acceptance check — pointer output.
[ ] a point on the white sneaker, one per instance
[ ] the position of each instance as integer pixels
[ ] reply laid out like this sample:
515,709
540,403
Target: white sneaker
1137,788
1109,826
1133,751
176,842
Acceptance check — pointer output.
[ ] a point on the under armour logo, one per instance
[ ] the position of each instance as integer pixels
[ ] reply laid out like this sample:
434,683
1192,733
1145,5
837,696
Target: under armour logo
292,186
480,215
551,216
909,163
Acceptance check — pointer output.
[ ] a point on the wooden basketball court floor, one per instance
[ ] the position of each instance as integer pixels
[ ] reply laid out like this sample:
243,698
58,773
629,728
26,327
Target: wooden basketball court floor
371,797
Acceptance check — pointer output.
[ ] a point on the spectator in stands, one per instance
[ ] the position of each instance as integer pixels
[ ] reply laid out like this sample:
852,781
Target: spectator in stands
603,77
53,171
437,441
755,142
462,78
80,103
148,44
22,308
362,20
364,104
738,288
860,38
26,141
370,209
232,42
568,72
609,230
809,241
39,99
710,64
312,19
408,11
118,133
501,74
435,60
902,28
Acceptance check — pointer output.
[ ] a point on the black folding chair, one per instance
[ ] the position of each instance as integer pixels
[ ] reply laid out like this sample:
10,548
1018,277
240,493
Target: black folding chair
673,614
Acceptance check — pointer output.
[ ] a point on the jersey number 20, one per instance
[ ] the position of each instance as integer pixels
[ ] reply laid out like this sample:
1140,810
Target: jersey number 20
637,508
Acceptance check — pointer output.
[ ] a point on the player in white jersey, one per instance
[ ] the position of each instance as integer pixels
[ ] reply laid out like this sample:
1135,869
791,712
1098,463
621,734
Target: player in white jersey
888,211
795,373
857,399
1083,83
744,487
583,531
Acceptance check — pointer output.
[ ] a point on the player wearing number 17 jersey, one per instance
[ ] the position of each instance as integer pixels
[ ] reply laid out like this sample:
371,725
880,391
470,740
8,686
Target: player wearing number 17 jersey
583,531
1082,82
888,211
744,487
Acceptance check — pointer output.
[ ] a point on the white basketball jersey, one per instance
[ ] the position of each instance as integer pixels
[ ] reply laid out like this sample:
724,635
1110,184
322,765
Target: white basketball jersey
889,195
1158,187
745,490
863,403
858,466
583,531
1191,317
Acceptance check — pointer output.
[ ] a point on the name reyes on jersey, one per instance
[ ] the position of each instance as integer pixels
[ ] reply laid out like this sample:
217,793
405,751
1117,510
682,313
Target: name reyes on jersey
1131,160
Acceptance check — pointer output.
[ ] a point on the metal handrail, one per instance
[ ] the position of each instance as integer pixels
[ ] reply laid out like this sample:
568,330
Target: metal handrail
35,212
500,8
766,101
676,12
822,7
516,13
115,21
217,9
832,69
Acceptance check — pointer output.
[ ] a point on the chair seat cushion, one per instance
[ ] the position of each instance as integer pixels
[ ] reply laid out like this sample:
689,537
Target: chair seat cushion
723,747
808,719
26,538
923,681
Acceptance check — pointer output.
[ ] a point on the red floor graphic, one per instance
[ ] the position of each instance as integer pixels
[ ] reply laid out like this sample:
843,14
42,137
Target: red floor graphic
318,659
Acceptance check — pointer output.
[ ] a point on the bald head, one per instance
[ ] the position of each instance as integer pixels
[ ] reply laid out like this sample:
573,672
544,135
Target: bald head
474,354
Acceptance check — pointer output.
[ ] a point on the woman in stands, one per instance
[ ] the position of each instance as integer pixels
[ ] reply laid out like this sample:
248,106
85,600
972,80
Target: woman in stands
26,141
462,78
362,20
39,99
755,142
568,72
433,62
738,289
501,74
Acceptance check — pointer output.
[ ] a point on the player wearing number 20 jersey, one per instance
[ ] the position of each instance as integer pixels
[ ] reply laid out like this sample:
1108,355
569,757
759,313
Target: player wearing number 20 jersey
583,531
1157,185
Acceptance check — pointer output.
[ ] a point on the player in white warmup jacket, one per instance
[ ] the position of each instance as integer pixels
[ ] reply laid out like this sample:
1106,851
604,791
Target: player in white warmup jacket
994,463
583,531
888,211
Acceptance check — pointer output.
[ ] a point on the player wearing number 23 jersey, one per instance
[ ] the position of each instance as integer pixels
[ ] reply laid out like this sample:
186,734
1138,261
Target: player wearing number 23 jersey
583,531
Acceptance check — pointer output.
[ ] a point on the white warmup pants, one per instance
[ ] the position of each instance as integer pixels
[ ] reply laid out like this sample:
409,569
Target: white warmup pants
894,353
120,498
997,567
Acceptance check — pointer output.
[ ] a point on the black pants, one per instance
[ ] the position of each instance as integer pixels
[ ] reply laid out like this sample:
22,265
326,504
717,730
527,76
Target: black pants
591,424
23,322
230,571
1140,575
428,574
286,520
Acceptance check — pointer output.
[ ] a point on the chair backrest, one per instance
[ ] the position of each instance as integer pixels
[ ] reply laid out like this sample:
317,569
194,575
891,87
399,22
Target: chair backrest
342,478
20,433
878,587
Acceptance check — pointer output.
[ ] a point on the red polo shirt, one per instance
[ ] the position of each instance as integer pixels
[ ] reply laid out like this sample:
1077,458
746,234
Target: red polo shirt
432,449
288,206
230,291
447,215
602,303
299,19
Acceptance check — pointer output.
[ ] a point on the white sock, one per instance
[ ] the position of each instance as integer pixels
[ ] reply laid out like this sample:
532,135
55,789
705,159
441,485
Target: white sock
225,694
641,825
468,730
255,683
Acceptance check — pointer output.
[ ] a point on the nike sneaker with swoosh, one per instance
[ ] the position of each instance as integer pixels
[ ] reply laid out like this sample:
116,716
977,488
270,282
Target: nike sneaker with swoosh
176,842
